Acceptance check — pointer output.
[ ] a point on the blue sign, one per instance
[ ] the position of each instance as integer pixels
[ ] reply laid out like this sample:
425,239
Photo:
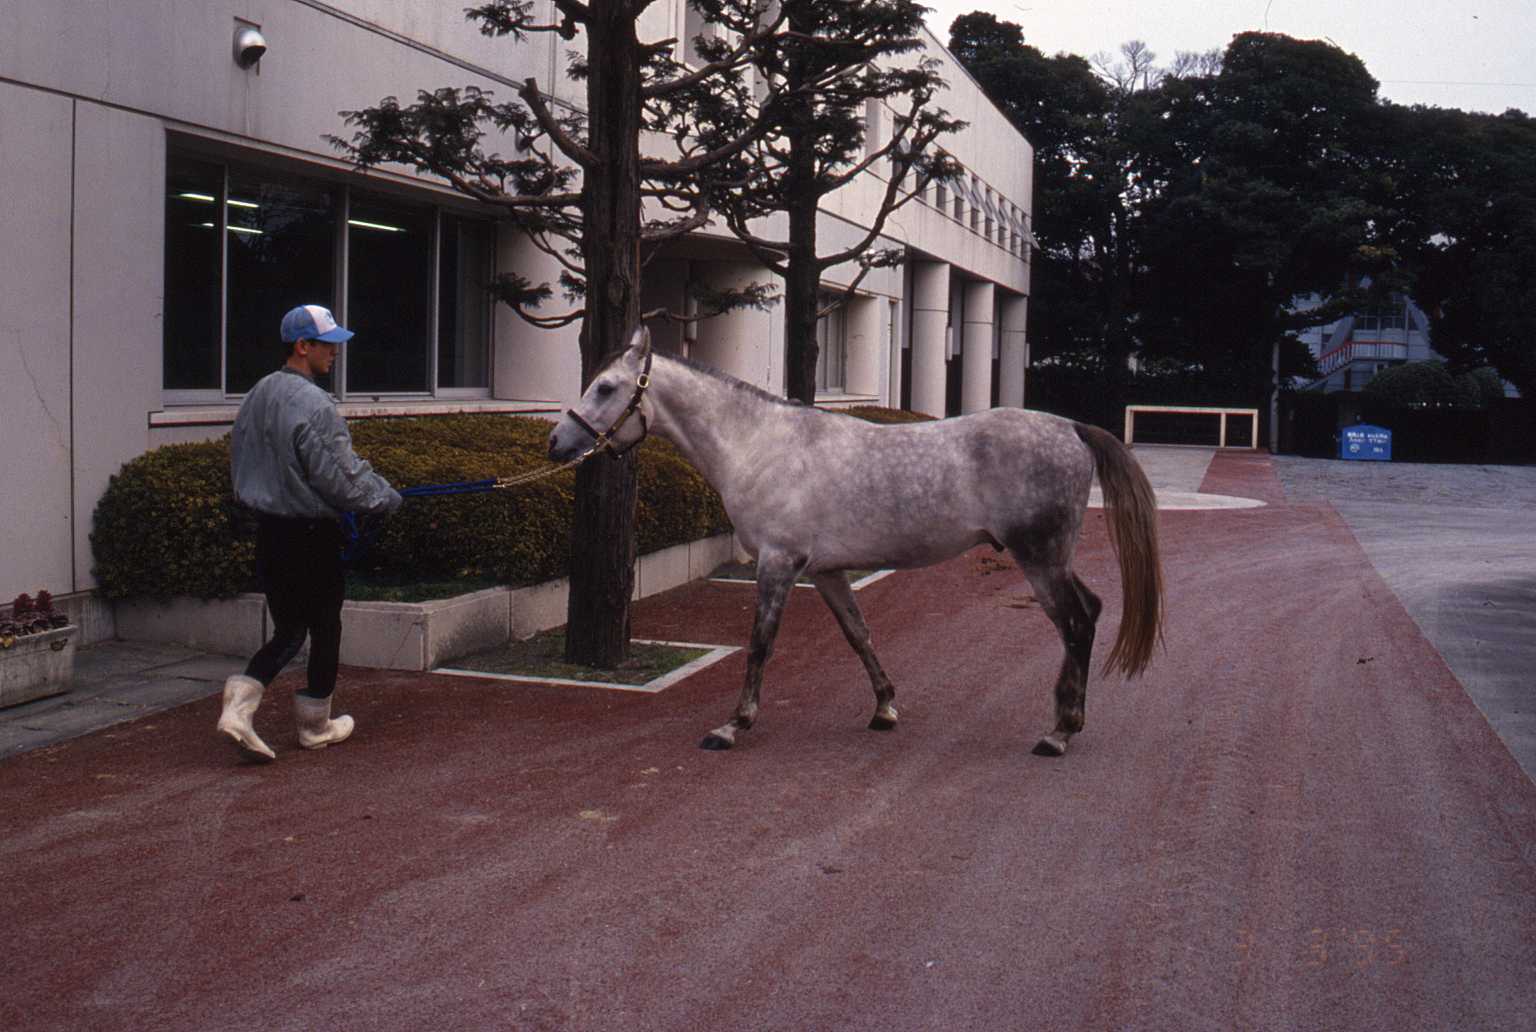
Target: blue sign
1366,442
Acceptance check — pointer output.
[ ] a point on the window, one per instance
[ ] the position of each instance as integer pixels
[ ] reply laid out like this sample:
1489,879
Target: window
194,299
874,126
831,348
465,269
244,245
389,297
280,239
1381,317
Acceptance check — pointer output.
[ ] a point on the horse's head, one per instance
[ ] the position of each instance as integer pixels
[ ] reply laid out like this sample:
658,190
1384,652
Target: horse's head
609,415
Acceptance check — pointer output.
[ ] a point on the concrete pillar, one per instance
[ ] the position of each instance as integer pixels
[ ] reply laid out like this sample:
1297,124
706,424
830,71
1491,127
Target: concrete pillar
741,342
976,387
930,316
862,330
1014,359
527,363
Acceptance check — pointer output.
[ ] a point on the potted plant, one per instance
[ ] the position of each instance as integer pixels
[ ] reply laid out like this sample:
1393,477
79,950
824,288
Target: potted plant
37,650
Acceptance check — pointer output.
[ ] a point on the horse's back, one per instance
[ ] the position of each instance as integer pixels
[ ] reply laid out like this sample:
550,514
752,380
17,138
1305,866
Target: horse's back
913,493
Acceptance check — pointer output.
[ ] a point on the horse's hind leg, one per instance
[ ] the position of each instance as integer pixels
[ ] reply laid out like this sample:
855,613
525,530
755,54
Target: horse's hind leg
775,578
1075,611
835,590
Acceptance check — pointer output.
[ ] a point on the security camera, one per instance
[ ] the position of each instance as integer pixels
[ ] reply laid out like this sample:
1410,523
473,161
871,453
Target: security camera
250,44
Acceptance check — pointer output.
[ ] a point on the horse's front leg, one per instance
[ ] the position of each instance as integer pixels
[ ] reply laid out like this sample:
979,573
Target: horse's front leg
835,590
776,575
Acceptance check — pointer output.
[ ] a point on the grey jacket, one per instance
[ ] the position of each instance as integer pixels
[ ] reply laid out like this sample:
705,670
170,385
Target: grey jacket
291,455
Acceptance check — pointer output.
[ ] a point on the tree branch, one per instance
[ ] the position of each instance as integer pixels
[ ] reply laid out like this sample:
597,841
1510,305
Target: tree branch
741,54
550,322
769,252
568,144
659,232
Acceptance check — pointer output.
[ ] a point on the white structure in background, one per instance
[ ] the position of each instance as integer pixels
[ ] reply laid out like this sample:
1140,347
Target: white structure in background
1352,350
168,193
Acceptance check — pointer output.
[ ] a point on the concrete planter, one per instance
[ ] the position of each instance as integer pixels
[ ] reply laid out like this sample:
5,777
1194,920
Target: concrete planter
409,635
38,665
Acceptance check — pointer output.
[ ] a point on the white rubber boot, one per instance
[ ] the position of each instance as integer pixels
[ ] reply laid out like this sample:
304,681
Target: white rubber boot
242,695
316,728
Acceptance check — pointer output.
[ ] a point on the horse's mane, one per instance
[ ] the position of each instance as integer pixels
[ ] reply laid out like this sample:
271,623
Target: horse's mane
749,389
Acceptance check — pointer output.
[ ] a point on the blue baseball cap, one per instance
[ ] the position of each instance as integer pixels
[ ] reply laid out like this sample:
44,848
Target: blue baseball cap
311,322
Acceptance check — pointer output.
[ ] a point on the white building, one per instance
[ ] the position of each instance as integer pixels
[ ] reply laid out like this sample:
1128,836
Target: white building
1352,350
161,206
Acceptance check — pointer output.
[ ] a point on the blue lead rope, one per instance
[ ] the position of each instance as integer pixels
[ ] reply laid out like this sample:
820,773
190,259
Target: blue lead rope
360,535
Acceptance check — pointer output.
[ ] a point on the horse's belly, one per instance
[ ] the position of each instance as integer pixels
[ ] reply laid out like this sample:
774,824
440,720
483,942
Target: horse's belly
903,548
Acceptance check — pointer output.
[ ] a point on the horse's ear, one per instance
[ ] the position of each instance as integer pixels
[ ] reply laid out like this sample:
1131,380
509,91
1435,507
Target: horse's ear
641,339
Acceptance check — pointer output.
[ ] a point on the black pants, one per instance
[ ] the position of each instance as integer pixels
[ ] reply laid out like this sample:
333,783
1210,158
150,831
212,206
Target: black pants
299,564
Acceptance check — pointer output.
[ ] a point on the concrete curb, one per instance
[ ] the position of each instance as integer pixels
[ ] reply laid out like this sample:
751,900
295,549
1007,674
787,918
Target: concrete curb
408,635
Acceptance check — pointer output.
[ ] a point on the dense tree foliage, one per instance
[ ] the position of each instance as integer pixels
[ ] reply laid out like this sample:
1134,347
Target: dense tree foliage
832,64
1463,199
1180,212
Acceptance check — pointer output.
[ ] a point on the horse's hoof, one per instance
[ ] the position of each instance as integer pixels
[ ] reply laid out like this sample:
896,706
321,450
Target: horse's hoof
1051,745
714,743
879,723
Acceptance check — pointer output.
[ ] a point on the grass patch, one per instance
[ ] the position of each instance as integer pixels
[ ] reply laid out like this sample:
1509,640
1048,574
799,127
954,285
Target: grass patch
543,655
378,586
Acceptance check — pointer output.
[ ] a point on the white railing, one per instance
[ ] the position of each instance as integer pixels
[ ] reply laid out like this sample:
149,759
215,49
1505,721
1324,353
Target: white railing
1329,361
1199,410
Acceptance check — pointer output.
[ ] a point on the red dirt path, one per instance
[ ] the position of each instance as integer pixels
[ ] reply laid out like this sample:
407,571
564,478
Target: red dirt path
1296,820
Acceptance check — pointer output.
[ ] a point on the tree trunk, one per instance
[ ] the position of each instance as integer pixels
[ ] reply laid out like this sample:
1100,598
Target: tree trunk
802,284
802,302
603,530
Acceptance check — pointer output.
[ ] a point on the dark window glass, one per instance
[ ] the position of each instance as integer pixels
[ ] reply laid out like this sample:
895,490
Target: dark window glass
389,299
195,192
464,305
832,347
282,242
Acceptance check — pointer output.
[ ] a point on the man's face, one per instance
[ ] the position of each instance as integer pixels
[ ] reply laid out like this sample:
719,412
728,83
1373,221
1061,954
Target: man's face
319,355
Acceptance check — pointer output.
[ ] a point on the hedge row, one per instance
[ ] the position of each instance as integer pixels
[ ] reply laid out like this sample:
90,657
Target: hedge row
168,523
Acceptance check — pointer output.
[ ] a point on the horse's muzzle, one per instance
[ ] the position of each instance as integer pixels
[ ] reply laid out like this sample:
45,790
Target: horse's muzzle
566,441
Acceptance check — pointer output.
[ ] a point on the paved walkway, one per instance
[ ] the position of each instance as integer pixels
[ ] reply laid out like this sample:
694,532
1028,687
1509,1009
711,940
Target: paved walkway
1296,820
1457,545
115,682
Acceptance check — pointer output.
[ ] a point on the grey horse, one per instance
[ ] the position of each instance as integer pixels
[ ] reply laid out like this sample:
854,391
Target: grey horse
819,493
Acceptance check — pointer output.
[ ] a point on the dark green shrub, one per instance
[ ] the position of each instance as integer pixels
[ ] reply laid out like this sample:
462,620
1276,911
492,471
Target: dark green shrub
876,414
168,524
1421,385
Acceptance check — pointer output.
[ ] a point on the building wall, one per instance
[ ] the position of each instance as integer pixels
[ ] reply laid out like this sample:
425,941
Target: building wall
91,95
36,163
116,302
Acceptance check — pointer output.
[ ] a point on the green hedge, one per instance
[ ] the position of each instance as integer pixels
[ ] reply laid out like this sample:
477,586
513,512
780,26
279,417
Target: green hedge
168,524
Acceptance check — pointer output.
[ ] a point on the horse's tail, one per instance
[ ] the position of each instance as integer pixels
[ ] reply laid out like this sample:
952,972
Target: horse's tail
1130,509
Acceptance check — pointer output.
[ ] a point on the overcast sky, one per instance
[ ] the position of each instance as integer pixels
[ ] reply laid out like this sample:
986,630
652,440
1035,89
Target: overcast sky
1476,55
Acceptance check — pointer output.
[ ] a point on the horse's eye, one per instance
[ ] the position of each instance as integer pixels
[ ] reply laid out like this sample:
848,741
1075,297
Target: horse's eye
604,389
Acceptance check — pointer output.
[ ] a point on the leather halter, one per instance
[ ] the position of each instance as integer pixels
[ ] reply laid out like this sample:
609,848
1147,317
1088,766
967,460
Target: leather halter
604,441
